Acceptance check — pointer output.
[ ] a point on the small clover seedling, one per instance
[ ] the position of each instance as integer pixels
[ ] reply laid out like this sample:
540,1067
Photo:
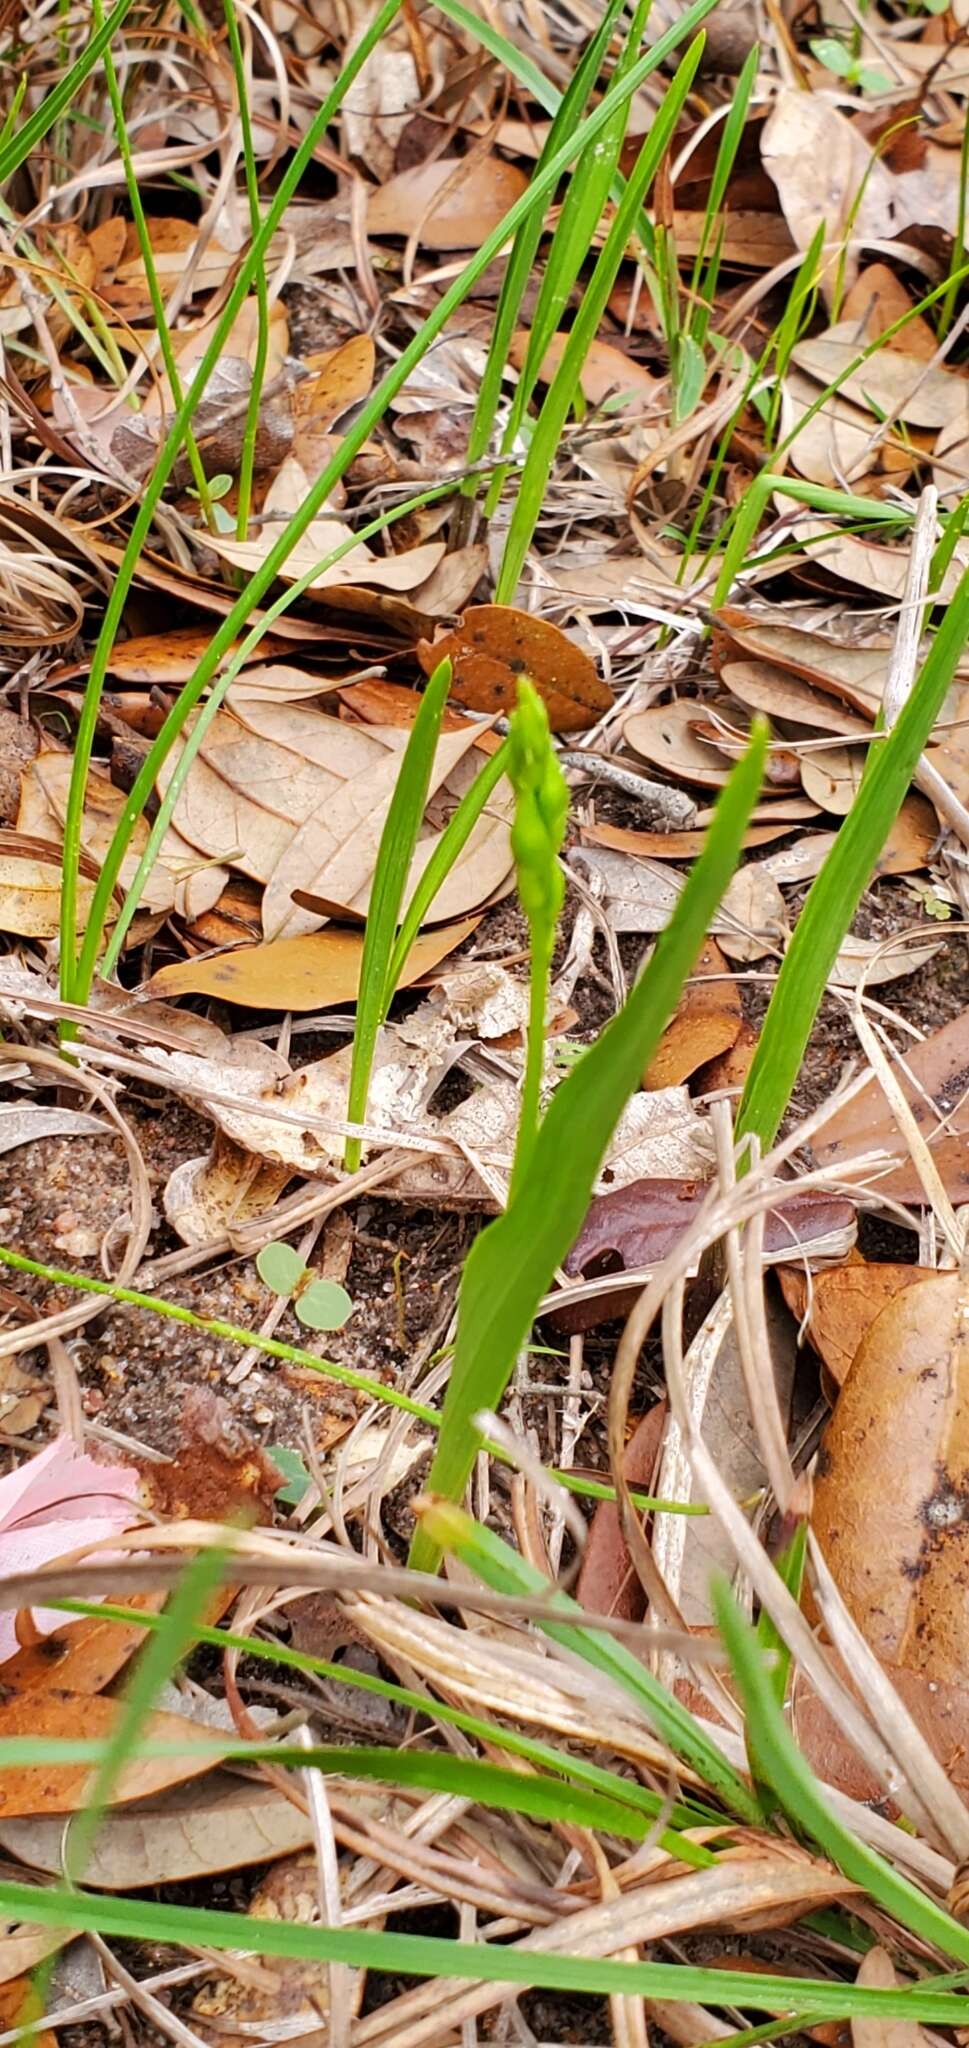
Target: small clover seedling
320,1304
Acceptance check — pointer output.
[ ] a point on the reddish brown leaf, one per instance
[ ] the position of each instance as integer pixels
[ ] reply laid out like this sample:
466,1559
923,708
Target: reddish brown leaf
81,1658
494,644
935,1081
706,1023
890,1503
844,1302
607,1582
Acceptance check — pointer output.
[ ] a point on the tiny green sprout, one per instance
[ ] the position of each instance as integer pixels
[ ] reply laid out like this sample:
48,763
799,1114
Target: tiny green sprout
837,58
293,1473
320,1304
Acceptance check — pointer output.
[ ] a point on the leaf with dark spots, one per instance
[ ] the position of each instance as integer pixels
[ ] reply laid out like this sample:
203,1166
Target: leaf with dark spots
843,1302
493,645
935,1081
639,1225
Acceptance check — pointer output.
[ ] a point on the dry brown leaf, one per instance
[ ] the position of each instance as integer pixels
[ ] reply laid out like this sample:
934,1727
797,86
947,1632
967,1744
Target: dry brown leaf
871,962
323,536
751,240
940,1712
22,1947
763,687
876,300
842,1303
832,777
834,444
171,657
317,971
826,174
607,372
607,1581
82,1658
494,644
871,564
190,1832
62,1788
453,202
670,845
889,382
889,1498
856,675
706,1023
665,736
935,1082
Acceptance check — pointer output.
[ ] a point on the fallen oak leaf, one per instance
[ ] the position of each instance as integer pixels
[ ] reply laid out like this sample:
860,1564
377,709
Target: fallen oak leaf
314,971
707,1022
190,1832
933,1077
62,1788
842,1302
494,645
451,202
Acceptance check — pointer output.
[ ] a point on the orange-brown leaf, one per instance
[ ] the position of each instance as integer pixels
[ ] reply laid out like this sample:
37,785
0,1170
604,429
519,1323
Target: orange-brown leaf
495,644
314,971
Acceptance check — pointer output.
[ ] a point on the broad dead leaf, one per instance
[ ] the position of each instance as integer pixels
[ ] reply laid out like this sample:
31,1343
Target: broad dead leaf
934,1077
190,1832
837,442
842,1303
171,657
81,1658
832,778
317,971
495,644
62,1788
876,300
893,1527
670,845
856,675
763,687
359,566
666,737
706,1023
889,383
451,203
826,174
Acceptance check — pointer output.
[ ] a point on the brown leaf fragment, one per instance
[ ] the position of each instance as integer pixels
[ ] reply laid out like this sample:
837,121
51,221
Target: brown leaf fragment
934,1077
494,644
843,1302
62,1788
80,1659
877,1971
706,1023
607,1582
670,845
894,1527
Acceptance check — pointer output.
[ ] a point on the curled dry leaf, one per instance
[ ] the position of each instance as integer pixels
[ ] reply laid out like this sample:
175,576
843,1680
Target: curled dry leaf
452,203
706,1023
208,1198
894,1529
189,1832
669,845
763,686
494,645
934,1077
323,536
842,1303
855,675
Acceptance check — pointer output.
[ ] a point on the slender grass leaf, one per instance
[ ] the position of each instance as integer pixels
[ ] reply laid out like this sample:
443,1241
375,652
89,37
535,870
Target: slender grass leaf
16,148
447,851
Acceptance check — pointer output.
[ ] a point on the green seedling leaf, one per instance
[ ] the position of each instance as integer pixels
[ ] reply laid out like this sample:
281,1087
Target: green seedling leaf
832,55
295,1475
280,1267
512,1262
871,79
323,1305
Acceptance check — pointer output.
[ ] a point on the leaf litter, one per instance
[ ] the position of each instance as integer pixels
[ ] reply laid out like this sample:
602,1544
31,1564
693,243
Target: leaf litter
841,1310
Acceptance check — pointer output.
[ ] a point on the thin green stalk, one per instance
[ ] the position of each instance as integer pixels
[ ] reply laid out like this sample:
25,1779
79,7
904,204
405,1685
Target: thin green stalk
77,973
433,1956
159,314
375,1390
948,306
551,420
395,853
446,853
702,289
248,457
541,810
835,894
16,148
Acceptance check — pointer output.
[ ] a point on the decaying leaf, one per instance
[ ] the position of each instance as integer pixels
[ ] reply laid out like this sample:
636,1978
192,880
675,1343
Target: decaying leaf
453,202
495,644
889,1499
666,737
842,1302
934,1077
607,1582
826,173
606,373
191,1832
79,1657
208,1198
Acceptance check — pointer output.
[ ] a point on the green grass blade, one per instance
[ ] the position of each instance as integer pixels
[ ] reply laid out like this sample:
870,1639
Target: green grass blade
394,856
780,1763
494,1562
416,1955
561,393
522,257
76,975
251,428
834,896
448,850
730,139
16,148
626,1790
512,1261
